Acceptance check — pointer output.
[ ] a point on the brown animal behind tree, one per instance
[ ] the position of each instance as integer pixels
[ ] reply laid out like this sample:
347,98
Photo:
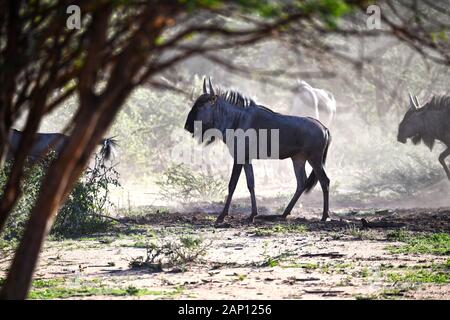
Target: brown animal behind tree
428,123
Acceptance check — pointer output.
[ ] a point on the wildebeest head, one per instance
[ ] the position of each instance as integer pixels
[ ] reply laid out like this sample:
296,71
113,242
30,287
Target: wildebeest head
202,110
412,123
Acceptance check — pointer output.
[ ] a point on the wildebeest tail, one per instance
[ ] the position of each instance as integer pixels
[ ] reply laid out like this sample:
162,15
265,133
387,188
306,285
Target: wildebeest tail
108,147
312,179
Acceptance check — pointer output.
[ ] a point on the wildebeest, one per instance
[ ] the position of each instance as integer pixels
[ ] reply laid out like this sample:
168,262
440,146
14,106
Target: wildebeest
428,123
45,142
319,100
300,138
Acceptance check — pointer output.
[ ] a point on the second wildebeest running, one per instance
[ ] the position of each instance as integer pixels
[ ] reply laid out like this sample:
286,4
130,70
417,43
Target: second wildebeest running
302,139
44,143
428,123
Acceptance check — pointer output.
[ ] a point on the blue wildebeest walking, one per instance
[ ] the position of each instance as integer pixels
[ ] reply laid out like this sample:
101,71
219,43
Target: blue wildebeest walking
428,123
299,138
319,100
45,142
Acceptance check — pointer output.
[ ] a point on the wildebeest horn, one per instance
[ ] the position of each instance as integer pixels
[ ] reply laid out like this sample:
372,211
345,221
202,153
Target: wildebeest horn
211,90
204,85
412,103
417,102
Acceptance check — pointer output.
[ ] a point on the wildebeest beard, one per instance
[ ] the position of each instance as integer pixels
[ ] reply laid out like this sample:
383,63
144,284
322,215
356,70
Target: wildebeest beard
416,139
427,140
201,139
210,140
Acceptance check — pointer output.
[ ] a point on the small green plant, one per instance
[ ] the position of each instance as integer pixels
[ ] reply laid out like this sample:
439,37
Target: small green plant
60,288
47,283
397,235
436,243
241,277
393,293
306,266
364,273
359,234
132,291
269,261
420,276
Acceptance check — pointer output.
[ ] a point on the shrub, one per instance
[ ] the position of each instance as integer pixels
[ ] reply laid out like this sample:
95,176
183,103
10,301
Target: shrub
179,182
176,254
81,212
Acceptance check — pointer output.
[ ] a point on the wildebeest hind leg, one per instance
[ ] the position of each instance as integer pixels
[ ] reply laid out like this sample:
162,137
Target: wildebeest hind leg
442,157
300,175
248,168
236,172
325,185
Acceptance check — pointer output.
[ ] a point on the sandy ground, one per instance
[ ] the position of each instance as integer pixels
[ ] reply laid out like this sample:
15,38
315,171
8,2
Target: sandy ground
301,258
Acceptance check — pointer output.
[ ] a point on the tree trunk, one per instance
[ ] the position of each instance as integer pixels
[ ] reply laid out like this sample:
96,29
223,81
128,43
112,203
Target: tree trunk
59,180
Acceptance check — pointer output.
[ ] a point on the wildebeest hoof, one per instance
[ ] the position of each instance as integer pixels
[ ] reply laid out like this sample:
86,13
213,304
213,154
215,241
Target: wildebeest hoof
219,220
251,219
222,225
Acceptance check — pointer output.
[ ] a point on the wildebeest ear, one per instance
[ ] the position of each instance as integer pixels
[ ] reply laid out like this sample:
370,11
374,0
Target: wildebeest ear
211,89
213,101
204,85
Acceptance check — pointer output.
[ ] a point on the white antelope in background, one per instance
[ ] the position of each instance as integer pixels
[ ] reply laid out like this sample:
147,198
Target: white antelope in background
317,100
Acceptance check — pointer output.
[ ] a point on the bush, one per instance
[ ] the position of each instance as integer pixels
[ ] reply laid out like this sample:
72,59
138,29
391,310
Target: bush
179,182
81,212
376,166
405,175
177,253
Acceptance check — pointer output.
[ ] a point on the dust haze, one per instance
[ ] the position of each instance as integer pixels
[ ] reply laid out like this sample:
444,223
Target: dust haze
368,168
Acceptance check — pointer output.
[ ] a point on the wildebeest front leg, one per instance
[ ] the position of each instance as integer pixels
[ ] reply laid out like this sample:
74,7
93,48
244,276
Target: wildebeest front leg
442,157
248,168
236,172
300,175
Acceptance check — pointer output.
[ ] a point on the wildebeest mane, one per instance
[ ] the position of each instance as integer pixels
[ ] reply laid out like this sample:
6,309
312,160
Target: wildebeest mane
232,97
438,103
239,100
236,98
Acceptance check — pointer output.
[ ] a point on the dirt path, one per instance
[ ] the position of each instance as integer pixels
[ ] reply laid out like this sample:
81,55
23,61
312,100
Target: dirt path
302,258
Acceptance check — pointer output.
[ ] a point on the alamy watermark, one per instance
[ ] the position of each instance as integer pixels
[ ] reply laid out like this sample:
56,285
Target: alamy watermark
243,145
373,22
74,19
